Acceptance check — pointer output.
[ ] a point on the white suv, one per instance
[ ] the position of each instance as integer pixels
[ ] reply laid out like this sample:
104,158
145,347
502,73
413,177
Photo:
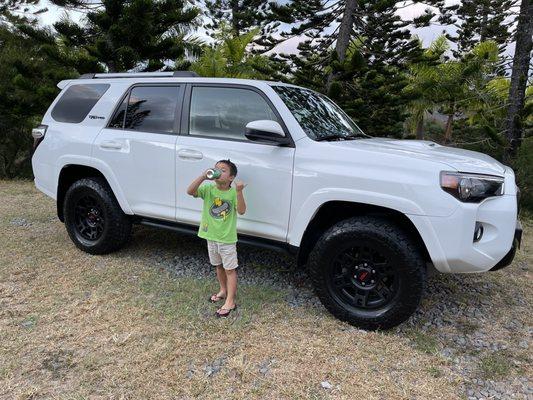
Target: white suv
368,216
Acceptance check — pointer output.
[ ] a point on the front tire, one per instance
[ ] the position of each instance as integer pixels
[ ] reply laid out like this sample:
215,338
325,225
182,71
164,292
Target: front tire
368,272
93,218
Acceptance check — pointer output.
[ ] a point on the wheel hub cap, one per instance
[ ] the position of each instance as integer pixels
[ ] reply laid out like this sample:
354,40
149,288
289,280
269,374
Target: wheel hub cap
364,276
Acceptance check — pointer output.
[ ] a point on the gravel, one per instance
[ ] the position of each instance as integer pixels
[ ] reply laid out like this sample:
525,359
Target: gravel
458,311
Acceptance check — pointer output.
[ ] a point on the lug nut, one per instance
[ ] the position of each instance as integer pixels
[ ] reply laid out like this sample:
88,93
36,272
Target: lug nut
372,281
373,271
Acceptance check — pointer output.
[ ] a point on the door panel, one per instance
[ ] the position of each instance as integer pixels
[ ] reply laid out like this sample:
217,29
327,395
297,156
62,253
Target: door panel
218,133
142,156
266,169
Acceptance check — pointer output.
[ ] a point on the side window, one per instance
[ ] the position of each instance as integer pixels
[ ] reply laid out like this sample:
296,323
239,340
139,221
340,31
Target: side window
224,112
77,102
118,119
149,109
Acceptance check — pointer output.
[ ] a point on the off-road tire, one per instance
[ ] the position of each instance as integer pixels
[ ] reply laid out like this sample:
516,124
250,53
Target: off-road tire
115,225
376,233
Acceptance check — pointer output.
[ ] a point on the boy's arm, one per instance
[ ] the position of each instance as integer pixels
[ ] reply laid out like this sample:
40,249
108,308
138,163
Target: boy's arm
241,204
192,190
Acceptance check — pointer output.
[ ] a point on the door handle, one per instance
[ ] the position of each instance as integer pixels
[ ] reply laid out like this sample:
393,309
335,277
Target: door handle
111,144
190,154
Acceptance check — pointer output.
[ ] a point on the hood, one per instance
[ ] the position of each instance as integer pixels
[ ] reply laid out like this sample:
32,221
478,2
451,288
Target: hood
458,159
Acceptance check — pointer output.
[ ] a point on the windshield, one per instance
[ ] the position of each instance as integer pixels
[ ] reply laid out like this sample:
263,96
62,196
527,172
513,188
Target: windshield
319,117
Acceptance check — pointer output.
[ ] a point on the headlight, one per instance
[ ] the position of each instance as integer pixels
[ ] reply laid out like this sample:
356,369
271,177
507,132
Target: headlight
471,188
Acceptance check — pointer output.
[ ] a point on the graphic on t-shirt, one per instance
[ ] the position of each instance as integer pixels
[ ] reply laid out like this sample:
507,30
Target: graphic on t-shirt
220,209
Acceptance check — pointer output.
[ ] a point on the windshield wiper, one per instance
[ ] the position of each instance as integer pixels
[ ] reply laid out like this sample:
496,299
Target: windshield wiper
336,138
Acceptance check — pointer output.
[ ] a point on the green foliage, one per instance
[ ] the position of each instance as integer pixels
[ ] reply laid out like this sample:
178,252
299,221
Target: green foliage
125,34
451,87
229,58
28,78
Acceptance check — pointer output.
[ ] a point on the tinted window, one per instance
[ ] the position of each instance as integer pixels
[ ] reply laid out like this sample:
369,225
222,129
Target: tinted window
118,119
77,102
224,112
152,108
318,116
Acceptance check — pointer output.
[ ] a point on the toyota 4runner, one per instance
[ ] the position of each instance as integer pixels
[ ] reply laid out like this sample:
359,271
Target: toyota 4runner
367,216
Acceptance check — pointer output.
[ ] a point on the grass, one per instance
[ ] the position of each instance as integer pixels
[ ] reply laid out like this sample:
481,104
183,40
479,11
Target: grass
77,326
496,365
424,342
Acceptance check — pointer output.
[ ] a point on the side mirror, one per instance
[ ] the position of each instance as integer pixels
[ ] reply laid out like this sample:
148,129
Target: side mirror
265,130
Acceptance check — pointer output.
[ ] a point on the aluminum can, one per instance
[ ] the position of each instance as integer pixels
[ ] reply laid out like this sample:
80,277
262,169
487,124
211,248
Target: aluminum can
213,173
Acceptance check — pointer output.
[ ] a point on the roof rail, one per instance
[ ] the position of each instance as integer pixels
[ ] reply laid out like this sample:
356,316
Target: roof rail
168,74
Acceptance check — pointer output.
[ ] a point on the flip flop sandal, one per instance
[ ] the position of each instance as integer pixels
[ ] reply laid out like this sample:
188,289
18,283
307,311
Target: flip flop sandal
229,310
215,298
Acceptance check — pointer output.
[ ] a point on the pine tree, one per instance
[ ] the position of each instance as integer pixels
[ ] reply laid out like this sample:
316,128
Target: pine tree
243,16
478,21
240,15
361,62
28,78
131,34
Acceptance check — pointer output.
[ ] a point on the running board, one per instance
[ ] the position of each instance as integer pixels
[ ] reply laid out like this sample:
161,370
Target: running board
242,239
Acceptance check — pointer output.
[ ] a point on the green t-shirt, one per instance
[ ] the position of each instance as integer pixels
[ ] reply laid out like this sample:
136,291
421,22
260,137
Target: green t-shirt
219,214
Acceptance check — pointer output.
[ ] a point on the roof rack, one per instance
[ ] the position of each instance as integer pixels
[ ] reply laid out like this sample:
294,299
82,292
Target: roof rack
169,74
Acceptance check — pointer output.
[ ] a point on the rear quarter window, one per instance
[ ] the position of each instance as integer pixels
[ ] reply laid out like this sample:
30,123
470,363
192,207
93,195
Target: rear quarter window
77,102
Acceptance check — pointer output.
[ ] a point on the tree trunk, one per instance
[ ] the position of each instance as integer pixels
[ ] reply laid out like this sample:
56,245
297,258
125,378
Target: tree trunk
448,131
522,57
420,128
345,33
111,66
234,19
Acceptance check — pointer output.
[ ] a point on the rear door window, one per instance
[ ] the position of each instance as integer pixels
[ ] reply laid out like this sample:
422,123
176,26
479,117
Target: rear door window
77,102
148,109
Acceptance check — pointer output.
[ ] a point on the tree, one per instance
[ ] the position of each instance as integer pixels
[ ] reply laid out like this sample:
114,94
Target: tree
519,77
389,39
131,34
28,78
229,58
420,84
450,86
241,15
359,62
17,11
478,21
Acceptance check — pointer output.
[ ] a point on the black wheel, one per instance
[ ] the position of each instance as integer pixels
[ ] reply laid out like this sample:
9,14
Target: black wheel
368,272
93,218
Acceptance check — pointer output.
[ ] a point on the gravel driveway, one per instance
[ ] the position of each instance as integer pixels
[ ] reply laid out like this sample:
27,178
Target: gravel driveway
479,323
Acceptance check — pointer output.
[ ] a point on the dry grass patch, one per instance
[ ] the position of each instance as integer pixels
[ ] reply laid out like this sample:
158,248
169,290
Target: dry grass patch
74,325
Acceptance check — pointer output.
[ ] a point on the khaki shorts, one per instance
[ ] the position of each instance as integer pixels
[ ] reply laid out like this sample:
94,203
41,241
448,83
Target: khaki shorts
222,253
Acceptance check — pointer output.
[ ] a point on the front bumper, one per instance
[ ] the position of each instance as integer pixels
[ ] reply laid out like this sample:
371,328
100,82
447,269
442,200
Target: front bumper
517,241
450,240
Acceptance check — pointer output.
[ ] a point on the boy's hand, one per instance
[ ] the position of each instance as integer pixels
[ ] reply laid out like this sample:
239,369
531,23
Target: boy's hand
240,185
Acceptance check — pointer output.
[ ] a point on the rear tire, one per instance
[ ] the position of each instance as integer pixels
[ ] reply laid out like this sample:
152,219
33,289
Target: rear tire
368,272
93,218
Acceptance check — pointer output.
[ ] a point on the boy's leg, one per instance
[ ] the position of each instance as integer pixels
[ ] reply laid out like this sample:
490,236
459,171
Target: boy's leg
221,276
216,260
228,253
231,279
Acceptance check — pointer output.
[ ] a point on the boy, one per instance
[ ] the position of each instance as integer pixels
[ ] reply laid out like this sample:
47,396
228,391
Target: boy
219,228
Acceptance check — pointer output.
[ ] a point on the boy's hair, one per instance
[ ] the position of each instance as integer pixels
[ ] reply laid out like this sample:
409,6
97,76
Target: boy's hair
232,167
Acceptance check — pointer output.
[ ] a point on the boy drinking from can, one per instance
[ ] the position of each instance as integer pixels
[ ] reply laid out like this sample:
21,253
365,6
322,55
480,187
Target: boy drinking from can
219,227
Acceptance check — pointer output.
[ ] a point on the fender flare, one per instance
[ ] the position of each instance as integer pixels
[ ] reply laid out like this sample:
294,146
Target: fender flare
316,200
103,168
